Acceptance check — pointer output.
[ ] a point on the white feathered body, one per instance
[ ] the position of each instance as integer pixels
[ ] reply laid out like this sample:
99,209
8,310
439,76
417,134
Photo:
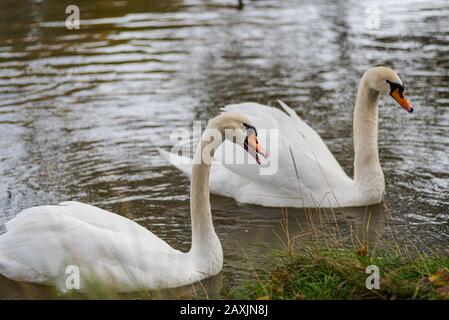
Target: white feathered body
41,242
318,180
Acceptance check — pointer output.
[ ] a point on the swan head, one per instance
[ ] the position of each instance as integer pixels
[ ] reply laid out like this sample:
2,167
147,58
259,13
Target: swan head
238,129
386,81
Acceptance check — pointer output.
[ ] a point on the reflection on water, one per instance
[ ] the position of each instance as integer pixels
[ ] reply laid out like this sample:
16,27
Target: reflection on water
82,112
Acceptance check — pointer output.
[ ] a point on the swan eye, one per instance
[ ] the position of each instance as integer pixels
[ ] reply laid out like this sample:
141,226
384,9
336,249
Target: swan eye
394,86
250,129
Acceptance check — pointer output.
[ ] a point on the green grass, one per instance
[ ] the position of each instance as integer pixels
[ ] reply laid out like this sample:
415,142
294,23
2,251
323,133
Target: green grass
320,272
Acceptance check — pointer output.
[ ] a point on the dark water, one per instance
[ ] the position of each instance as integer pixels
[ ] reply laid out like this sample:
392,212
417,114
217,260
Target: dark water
82,112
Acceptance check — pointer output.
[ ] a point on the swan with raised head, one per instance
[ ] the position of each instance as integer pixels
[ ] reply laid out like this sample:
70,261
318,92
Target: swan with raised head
42,242
308,175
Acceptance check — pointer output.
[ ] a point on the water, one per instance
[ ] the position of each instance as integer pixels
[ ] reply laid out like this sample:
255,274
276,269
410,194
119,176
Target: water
82,112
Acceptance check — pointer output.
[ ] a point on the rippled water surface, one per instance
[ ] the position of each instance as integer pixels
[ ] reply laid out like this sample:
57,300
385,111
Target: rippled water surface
82,112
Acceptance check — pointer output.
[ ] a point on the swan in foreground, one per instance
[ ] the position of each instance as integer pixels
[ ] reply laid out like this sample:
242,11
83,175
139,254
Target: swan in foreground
42,242
308,175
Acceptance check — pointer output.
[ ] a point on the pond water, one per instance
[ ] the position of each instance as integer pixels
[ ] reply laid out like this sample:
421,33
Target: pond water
82,112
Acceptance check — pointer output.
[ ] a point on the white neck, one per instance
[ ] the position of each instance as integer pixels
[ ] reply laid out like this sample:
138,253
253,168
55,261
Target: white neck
205,243
367,170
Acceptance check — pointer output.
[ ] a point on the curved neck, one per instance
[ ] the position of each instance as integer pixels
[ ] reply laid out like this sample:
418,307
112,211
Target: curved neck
204,238
367,169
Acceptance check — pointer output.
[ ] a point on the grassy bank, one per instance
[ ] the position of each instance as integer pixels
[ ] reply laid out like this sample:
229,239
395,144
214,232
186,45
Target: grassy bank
322,272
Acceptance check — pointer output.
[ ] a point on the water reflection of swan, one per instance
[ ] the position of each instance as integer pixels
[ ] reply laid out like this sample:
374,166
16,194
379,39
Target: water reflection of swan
251,227
314,178
41,242
368,224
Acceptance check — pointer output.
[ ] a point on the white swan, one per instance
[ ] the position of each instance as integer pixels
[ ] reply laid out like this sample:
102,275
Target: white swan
314,179
41,242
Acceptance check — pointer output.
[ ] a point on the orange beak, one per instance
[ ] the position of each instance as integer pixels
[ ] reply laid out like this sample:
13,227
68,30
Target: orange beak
398,95
254,148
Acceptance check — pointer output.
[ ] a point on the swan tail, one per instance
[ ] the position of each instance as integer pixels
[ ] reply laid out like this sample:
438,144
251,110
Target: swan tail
287,109
184,164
